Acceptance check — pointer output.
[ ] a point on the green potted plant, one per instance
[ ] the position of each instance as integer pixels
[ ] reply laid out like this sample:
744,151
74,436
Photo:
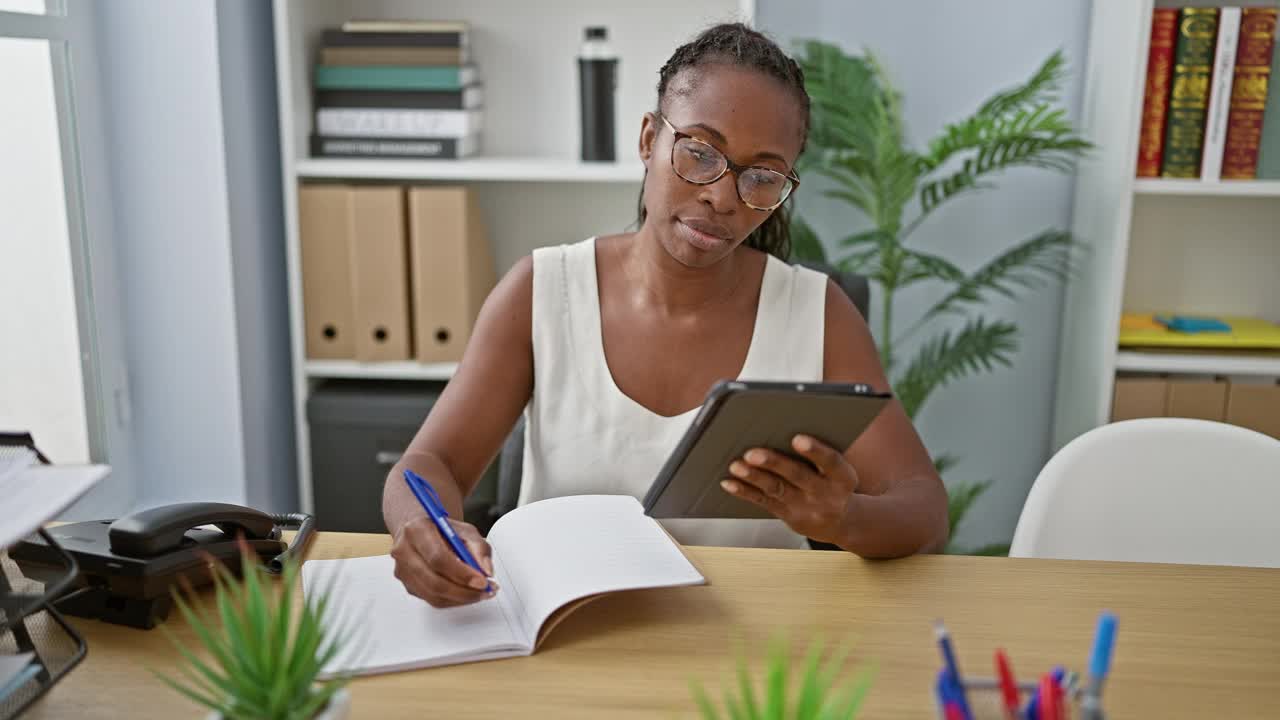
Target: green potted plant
263,652
857,142
821,693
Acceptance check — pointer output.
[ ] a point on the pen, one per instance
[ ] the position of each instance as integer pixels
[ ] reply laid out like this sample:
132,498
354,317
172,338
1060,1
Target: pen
1049,708
430,501
1099,665
1033,705
947,696
1008,688
949,657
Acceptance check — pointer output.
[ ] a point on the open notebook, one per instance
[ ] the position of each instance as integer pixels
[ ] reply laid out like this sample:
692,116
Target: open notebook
548,557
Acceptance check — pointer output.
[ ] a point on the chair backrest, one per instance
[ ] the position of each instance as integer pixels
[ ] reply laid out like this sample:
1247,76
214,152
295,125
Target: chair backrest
1158,490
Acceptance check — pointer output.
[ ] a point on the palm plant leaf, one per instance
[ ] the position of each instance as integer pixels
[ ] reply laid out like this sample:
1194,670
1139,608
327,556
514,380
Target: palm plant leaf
1035,137
805,244
960,497
1046,255
831,79
919,266
943,463
978,346
1043,86
1040,89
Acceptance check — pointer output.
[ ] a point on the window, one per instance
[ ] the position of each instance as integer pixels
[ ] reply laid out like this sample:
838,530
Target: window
50,383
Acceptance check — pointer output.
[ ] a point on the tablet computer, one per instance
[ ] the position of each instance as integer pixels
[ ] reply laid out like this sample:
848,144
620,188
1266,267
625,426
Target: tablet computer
739,415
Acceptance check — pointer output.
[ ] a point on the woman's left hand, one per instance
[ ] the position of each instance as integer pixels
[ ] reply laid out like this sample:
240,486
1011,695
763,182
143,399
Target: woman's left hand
812,502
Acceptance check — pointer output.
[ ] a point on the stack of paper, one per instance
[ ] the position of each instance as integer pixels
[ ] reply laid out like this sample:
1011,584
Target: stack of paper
35,494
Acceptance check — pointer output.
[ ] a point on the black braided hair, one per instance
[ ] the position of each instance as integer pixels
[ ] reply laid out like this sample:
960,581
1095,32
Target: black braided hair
737,44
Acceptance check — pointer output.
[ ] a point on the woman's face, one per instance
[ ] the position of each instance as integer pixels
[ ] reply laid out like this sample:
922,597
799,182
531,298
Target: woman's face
753,119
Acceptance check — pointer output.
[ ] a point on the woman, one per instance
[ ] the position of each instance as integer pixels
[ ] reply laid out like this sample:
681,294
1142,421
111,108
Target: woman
613,343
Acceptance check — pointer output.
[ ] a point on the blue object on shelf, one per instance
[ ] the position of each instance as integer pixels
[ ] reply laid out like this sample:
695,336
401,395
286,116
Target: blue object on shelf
1190,324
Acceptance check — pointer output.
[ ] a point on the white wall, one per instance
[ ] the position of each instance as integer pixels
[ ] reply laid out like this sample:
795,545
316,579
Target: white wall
947,57
193,226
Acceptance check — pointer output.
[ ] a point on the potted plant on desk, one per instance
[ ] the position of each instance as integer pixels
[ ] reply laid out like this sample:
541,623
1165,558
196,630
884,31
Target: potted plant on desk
265,659
820,692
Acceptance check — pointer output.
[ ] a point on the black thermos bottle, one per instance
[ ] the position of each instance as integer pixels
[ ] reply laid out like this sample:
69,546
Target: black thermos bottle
597,78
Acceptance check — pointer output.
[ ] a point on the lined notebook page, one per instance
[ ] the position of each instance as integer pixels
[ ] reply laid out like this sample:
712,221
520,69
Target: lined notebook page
565,548
394,630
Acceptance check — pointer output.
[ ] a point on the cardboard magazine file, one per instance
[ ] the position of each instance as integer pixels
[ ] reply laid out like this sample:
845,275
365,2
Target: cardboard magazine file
1255,405
328,308
380,273
452,269
355,272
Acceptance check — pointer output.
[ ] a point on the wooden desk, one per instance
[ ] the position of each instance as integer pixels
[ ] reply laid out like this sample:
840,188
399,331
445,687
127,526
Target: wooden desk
1194,642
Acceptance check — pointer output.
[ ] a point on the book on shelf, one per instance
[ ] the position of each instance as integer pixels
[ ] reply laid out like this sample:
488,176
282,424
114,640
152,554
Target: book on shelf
394,77
395,55
425,39
1256,65
467,98
1189,92
1155,100
388,123
1219,103
422,148
357,25
1207,94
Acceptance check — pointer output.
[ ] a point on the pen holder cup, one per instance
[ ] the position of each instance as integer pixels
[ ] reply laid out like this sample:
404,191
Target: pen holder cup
986,702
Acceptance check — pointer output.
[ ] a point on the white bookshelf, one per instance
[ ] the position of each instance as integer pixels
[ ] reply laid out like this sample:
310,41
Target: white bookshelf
533,190
1153,244
1198,363
517,169
1224,188
352,369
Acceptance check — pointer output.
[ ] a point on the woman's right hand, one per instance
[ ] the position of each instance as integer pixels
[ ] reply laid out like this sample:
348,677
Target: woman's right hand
429,569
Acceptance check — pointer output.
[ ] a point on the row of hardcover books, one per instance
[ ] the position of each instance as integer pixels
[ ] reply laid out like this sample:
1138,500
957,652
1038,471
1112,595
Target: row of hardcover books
1209,110
397,88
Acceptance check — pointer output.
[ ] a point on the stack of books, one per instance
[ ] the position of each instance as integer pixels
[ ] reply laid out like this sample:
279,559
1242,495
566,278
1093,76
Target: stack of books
396,88
1211,109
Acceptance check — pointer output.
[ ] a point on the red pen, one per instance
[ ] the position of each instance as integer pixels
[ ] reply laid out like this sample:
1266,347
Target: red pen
1049,707
1008,688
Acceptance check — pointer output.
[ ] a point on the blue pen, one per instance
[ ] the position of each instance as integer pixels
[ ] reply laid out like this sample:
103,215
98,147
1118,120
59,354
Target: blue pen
1099,664
430,501
949,657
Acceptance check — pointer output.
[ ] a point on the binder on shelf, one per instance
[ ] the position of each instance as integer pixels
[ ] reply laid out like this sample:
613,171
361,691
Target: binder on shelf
327,304
379,273
355,281
1139,397
1204,399
1255,406
452,269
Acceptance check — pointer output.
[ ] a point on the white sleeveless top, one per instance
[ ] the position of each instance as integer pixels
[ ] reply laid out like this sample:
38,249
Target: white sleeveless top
584,435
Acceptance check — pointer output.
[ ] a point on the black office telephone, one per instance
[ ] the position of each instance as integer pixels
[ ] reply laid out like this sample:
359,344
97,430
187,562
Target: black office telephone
127,566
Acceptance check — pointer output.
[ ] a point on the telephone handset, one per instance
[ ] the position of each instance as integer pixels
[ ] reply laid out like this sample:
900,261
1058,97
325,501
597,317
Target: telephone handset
161,529
127,566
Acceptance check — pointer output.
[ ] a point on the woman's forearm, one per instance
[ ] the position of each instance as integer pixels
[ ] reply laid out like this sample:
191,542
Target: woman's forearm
908,518
399,505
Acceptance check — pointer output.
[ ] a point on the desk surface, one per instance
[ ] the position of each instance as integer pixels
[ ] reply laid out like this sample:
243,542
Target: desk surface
1194,641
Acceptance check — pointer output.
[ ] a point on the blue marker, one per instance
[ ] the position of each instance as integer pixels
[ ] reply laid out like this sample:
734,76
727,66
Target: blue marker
1099,664
949,657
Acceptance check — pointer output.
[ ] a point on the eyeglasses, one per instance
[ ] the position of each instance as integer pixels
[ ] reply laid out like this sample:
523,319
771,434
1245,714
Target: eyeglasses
701,163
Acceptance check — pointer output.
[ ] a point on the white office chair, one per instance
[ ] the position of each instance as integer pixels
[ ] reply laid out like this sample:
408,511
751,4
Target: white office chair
1158,490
